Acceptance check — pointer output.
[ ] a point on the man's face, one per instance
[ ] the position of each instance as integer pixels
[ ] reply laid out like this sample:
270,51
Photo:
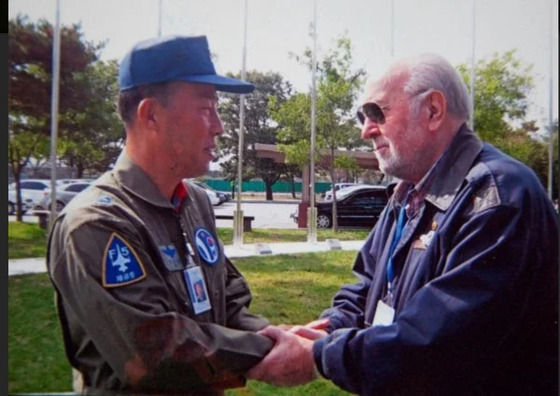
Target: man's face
198,289
398,139
190,125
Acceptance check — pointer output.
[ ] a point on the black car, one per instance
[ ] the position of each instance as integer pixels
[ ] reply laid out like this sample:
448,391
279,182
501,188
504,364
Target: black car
358,206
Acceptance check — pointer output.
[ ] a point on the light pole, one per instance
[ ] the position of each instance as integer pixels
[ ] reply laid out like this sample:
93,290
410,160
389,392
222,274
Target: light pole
550,100
238,213
473,69
54,110
312,210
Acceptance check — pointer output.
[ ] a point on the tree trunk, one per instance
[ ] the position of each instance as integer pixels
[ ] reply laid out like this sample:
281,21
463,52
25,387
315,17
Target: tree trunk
79,171
293,183
333,183
268,186
16,172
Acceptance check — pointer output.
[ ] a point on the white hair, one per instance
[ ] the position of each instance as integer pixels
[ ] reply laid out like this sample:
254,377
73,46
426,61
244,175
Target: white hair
431,71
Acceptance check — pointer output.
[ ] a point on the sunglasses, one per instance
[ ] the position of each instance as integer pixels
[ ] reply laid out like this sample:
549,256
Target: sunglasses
372,111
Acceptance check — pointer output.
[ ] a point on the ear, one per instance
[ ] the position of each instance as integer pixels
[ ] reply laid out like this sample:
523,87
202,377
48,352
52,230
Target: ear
437,110
148,113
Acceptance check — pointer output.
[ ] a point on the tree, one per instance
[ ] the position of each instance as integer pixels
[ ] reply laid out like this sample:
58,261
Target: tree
502,87
93,136
337,89
259,128
29,87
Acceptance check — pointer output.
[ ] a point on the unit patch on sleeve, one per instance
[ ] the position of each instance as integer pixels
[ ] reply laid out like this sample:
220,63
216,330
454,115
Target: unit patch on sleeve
121,265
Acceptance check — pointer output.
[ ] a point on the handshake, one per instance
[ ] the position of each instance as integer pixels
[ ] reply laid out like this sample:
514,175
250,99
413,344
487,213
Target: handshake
290,361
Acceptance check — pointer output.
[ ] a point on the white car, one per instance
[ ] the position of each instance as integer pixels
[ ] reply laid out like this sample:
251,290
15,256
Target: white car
32,192
26,202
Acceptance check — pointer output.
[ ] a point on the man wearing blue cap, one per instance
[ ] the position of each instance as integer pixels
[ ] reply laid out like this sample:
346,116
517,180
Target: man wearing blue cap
125,255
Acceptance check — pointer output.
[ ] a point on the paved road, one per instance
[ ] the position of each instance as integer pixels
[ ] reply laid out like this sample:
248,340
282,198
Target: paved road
267,214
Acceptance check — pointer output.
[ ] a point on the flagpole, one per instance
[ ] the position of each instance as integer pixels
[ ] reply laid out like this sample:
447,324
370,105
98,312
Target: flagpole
160,17
54,109
238,213
392,29
473,69
312,211
550,100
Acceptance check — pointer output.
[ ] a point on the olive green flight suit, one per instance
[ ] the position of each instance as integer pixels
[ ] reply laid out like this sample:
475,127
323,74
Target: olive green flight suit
117,256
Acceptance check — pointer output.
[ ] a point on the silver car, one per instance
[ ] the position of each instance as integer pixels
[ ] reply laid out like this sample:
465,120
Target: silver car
64,194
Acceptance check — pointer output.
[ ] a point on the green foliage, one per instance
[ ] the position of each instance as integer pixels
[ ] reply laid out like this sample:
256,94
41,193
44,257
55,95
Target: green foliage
258,128
502,87
337,89
93,137
286,288
86,117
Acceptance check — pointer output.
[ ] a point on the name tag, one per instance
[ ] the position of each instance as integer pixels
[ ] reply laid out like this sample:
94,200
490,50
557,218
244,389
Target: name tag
384,314
196,286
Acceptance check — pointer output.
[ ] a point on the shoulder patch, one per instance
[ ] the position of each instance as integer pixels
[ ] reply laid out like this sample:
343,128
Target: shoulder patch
121,265
485,198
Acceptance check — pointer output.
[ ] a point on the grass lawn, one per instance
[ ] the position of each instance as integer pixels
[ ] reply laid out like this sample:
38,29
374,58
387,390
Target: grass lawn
25,240
286,288
28,240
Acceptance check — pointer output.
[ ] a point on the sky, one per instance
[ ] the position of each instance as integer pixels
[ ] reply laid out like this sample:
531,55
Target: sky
277,28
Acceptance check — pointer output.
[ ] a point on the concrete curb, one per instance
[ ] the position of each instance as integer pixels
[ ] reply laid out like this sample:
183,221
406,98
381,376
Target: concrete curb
38,265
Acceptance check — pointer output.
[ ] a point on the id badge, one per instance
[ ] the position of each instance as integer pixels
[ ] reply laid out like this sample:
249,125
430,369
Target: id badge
384,315
197,290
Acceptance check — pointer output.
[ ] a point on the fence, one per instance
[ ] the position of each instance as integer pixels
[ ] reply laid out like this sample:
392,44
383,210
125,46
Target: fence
259,186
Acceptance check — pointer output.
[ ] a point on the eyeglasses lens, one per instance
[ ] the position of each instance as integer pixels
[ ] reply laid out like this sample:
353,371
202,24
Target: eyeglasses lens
371,111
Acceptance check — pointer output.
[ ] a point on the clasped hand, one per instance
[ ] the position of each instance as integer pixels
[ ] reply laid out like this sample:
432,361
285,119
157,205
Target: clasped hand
290,362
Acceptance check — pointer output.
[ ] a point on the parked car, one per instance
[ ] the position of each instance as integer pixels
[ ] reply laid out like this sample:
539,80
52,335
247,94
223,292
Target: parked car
357,206
337,186
64,194
213,194
32,191
70,181
26,201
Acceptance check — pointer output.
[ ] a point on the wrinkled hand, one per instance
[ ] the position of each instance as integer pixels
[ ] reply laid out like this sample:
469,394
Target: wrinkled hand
312,330
289,362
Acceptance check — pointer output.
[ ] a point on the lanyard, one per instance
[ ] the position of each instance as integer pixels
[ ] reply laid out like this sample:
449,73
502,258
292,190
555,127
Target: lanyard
401,221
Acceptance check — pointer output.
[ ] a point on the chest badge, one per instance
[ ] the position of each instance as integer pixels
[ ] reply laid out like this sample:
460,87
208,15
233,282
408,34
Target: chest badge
121,265
206,246
170,257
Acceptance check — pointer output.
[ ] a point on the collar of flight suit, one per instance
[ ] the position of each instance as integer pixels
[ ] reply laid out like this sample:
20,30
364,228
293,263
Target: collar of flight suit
137,182
442,182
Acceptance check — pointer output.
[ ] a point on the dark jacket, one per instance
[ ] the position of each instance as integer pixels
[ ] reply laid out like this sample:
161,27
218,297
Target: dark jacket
116,257
476,300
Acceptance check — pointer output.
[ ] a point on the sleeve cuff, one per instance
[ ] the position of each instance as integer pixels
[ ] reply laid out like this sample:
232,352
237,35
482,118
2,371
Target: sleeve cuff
317,355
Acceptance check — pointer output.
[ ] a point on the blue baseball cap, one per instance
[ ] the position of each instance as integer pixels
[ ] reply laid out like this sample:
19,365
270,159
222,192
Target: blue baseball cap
174,58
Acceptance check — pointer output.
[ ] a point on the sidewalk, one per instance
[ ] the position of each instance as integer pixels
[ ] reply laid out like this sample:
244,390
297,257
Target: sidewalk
37,265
